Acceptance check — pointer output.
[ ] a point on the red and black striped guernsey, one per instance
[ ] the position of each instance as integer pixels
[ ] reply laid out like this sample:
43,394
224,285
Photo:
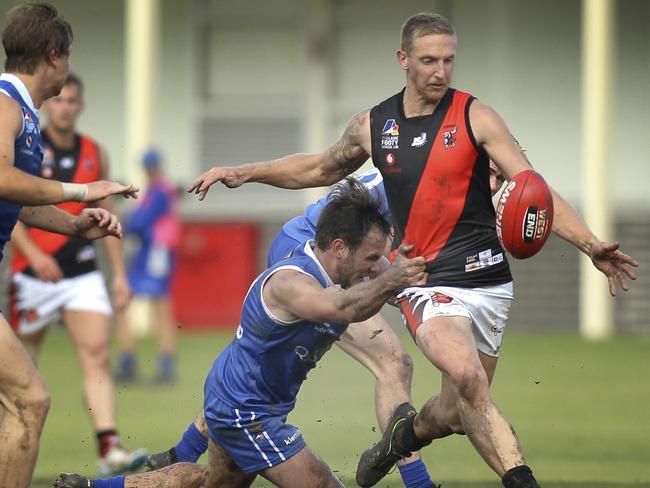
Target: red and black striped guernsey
437,184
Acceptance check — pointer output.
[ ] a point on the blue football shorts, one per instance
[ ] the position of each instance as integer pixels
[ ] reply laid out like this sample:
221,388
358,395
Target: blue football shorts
255,441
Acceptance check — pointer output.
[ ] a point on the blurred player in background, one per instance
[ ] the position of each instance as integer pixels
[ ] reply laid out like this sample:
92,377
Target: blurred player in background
432,144
373,343
155,223
291,316
36,42
56,277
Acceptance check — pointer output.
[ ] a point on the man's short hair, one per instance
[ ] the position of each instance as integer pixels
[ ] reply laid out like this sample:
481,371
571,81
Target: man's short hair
351,213
30,33
423,24
74,80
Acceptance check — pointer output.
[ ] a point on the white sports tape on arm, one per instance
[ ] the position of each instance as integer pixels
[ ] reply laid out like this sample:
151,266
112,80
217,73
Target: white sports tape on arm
74,192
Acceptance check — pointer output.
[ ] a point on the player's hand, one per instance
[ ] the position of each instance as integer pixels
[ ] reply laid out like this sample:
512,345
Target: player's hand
613,263
46,267
95,223
102,189
121,292
407,271
227,175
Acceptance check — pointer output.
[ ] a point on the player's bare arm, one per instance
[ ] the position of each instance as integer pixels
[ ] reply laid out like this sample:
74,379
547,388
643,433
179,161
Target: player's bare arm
305,170
114,250
25,189
291,295
45,266
493,135
92,223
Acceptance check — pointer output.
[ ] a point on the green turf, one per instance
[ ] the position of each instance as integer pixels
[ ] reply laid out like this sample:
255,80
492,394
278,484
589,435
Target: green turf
580,409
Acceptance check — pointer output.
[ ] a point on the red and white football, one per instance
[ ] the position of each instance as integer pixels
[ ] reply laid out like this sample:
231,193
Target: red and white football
524,214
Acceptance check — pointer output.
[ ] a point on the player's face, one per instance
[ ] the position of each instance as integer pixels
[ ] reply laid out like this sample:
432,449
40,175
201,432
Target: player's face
364,261
430,65
62,111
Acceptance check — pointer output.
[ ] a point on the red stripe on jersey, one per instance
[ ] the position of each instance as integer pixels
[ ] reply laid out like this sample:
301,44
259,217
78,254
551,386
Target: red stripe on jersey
88,169
440,197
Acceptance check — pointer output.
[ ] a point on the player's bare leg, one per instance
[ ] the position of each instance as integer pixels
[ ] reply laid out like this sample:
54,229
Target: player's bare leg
375,345
181,475
24,402
303,470
440,417
90,332
449,344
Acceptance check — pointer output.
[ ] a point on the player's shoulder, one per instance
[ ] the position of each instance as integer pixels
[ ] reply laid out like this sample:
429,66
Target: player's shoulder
8,103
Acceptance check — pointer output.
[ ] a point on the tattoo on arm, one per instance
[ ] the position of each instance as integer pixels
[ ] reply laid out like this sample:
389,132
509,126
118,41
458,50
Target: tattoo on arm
347,154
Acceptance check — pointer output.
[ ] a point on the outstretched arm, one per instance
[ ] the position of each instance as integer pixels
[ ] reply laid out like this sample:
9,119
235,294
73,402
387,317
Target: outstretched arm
22,188
92,223
304,170
493,135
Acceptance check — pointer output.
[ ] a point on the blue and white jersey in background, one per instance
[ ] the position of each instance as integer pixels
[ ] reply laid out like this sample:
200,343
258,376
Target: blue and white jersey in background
28,150
303,227
264,366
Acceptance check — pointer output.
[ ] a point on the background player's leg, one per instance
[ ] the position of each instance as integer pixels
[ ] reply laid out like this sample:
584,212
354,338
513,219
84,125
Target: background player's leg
24,404
90,332
127,367
32,343
166,330
375,345
302,470
449,344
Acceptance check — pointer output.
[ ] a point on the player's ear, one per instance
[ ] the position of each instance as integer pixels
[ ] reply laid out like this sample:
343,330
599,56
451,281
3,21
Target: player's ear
401,59
339,248
52,56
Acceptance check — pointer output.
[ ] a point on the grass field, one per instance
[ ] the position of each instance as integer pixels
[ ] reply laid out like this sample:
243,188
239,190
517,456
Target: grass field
581,410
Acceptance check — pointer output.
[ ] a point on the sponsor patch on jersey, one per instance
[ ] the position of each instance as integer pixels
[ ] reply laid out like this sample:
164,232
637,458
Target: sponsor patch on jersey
390,135
482,260
449,137
419,141
292,438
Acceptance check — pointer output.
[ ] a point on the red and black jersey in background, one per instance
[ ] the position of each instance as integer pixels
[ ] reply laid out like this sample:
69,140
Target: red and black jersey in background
80,164
437,185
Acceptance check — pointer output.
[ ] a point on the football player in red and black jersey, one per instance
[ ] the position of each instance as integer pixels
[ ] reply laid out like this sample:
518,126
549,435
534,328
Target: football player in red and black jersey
432,144
55,277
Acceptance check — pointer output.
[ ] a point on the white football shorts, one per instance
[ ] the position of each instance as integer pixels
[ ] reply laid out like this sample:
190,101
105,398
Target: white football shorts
487,308
36,303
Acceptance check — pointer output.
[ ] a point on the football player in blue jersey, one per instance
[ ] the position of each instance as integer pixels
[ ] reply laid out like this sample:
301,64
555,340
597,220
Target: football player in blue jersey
291,316
37,42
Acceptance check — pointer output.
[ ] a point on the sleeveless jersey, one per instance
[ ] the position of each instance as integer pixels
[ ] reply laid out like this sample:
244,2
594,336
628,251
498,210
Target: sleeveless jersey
436,180
28,152
264,366
80,164
303,227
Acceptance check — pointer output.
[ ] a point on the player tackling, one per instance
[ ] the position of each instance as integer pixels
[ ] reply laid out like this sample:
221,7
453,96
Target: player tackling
291,316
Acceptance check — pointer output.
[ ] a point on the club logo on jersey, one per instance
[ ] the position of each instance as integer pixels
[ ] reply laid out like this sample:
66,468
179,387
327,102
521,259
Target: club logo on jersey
449,138
29,141
420,140
28,120
390,159
391,162
390,135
